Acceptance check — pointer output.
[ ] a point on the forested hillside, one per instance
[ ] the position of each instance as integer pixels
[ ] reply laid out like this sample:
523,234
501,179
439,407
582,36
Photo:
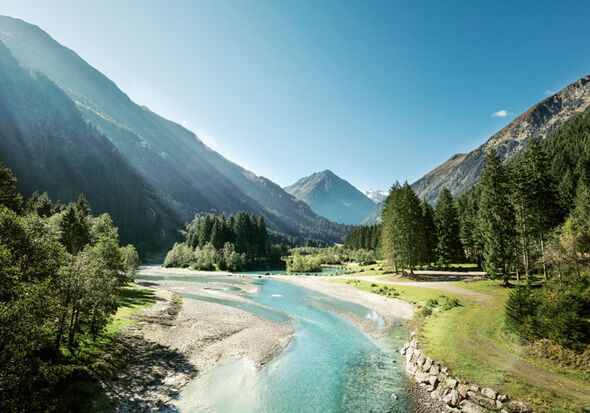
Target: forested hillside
461,171
50,147
189,176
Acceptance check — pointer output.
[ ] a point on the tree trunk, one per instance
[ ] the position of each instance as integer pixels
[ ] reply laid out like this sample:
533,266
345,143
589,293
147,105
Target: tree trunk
543,258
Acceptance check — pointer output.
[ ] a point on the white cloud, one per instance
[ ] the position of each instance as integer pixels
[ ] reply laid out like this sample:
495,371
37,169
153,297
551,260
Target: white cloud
549,92
500,114
184,123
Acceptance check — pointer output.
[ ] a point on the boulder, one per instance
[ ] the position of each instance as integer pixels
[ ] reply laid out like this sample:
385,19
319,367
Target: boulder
473,388
503,398
433,380
463,389
482,400
489,393
422,377
452,383
421,360
518,407
452,399
435,369
470,407
427,364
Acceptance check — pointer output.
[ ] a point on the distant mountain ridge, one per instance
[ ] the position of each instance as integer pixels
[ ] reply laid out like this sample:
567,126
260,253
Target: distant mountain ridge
186,174
462,171
332,197
375,195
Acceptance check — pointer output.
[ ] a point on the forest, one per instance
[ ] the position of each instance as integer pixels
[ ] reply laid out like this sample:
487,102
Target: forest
62,273
526,219
214,242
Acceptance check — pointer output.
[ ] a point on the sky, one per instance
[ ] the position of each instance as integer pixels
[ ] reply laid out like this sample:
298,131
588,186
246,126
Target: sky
376,91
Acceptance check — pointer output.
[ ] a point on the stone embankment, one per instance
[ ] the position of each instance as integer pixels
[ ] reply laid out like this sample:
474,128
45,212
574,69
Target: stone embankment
457,394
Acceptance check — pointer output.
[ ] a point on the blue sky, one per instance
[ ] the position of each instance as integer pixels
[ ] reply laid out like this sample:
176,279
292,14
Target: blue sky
376,91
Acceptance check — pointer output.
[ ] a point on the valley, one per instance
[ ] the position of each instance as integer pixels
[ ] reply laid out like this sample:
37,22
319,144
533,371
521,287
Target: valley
220,251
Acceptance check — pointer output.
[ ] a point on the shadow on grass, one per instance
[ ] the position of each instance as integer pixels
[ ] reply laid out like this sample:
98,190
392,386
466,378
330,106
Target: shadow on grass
134,297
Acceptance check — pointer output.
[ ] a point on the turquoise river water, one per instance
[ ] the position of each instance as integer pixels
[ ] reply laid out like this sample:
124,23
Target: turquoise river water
329,366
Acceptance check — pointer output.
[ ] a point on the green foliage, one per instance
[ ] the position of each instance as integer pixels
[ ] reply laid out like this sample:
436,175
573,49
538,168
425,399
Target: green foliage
404,241
496,217
363,237
9,197
52,300
304,263
556,312
448,246
234,243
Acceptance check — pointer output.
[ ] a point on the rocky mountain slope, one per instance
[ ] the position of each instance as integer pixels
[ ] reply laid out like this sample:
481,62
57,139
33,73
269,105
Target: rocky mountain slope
50,147
462,171
332,197
189,176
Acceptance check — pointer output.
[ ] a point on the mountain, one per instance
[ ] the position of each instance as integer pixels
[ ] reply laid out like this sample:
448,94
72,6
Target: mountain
462,171
50,147
189,176
332,197
375,196
374,216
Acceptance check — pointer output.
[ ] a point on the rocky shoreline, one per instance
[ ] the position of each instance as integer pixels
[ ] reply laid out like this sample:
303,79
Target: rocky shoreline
453,393
175,340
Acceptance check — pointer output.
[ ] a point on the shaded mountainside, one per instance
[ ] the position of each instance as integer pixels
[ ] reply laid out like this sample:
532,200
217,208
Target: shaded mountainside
462,171
374,216
188,175
50,147
332,197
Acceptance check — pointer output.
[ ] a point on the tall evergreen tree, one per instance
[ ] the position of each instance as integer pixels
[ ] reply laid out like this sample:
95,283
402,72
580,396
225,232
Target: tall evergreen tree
403,237
448,247
496,218
9,196
430,239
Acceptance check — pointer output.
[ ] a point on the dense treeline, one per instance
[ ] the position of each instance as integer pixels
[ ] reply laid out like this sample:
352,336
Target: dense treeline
413,233
334,255
363,237
233,243
61,271
527,216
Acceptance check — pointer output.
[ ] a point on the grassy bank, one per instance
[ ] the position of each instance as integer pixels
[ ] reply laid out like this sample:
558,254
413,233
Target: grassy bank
472,341
133,299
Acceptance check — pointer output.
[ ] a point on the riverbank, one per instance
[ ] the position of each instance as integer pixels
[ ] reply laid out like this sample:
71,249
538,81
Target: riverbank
175,340
172,343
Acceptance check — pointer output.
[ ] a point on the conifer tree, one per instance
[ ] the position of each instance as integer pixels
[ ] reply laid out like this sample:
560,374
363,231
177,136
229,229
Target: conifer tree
9,197
448,247
429,233
496,218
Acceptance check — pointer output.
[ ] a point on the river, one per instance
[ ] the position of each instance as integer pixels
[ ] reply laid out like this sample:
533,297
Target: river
329,366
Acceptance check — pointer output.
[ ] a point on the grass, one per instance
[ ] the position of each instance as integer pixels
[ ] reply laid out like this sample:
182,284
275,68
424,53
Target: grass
460,337
133,299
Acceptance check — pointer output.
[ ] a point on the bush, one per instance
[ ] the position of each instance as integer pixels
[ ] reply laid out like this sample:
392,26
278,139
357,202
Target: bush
304,263
555,312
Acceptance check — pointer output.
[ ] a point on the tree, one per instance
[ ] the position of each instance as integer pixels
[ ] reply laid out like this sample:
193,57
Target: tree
9,197
39,204
534,199
429,232
496,218
448,247
403,238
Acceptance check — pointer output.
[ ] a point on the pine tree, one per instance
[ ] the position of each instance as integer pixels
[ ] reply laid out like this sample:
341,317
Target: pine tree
448,247
430,233
496,218
9,197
